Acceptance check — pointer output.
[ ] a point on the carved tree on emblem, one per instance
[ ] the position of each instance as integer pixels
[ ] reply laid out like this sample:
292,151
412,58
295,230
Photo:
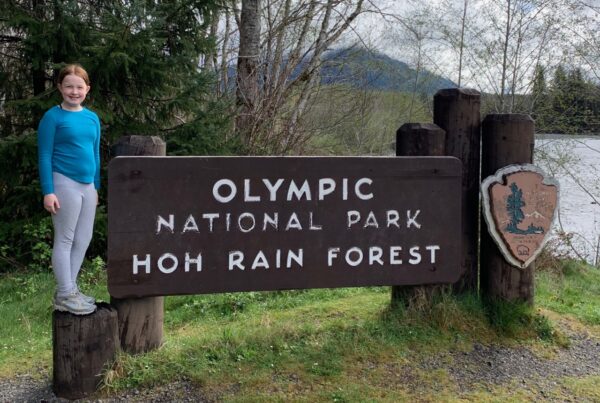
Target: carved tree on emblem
514,203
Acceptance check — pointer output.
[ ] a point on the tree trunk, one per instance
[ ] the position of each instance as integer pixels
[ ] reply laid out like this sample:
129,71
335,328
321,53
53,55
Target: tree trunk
83,346
38,72
462,42
140,319
247,68
505,56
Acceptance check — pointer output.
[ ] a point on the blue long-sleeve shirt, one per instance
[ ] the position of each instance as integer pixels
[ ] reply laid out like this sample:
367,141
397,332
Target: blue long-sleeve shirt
69,143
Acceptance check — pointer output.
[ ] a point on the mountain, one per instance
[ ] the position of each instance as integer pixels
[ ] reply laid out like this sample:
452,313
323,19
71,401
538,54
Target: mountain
365,69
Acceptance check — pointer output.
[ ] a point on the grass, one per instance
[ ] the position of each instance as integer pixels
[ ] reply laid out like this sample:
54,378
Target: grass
574,291
25,334
323,345
26,314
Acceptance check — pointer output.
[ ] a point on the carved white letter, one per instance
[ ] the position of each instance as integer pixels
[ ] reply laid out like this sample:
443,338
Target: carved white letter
167,270
353,217
197,261
432,249
247,196
137,263
293,190
415,255
217,194
326,186
236,258
412,220
272,188
360,194
161,222
331,254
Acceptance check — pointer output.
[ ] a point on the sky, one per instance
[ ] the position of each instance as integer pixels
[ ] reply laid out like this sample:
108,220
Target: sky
486,23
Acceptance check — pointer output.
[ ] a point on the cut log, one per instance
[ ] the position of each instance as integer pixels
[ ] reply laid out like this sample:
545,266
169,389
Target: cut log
139,145
83,347
506,139
456,110
414,140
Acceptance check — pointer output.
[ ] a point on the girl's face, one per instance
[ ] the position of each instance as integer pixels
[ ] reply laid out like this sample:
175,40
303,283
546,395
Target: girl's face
73,89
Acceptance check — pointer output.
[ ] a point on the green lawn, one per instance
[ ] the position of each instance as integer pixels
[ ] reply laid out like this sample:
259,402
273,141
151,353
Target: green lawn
303,345
575,292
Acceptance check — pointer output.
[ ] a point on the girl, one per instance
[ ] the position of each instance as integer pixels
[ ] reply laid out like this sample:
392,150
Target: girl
69,167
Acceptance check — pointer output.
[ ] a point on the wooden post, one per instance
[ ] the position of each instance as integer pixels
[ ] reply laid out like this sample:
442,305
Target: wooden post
418,139
140,319
506,139
139,145
457,111
82,347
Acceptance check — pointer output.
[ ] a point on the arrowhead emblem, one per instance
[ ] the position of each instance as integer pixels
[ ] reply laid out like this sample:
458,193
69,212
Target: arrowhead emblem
520,204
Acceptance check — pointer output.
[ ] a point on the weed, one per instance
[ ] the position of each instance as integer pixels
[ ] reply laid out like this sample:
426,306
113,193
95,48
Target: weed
547,261
520,320
39,237
92,274
25,287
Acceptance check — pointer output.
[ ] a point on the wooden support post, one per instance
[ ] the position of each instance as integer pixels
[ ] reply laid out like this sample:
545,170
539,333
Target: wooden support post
140,319
457,111
140,323
82,348
418,139
506,139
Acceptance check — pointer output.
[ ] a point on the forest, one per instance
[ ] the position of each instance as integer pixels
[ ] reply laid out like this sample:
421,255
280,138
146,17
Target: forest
254,77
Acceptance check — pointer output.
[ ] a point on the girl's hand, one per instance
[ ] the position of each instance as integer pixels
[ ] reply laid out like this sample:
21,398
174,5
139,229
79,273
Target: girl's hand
51,203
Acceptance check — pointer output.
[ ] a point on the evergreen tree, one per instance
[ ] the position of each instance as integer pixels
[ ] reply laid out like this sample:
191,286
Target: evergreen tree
573,97
559,101
539,99
143,58
575,103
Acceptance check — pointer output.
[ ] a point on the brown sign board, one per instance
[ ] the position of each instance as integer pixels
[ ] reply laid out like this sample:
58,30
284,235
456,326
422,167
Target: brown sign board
191,225
520,204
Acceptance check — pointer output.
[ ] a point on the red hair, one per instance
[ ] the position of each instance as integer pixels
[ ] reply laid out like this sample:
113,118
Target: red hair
75,69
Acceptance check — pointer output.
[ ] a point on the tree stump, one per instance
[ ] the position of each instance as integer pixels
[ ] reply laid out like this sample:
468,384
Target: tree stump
82,348
457,111
506,139
418,139
140,319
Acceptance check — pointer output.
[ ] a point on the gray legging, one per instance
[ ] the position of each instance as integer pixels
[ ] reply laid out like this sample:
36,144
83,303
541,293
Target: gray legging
73,228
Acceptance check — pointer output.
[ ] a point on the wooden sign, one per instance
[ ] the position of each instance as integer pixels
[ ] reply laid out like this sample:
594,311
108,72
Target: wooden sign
520,204
187,225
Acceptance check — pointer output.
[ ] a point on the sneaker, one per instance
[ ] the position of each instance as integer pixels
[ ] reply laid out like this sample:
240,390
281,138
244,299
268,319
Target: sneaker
86,298
74,304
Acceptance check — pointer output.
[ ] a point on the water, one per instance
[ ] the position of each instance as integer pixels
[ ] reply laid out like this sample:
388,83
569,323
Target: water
575,162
